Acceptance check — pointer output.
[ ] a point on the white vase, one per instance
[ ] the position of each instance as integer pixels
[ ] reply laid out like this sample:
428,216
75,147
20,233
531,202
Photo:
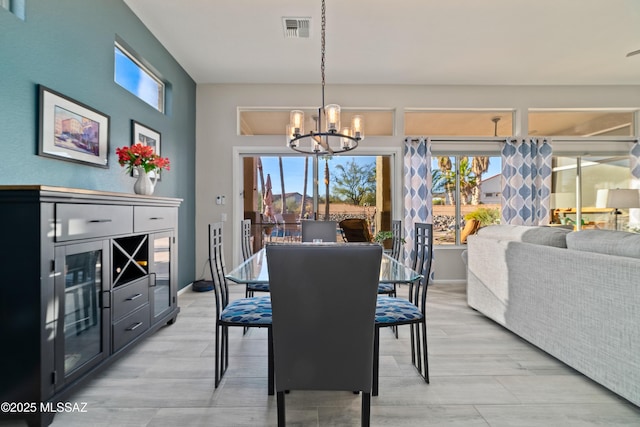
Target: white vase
143,184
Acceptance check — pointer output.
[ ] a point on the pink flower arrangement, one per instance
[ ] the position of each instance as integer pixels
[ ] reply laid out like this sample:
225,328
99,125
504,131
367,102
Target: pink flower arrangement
139,155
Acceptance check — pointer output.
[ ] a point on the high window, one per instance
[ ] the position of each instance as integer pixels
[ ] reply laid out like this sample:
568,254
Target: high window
17,7
131,74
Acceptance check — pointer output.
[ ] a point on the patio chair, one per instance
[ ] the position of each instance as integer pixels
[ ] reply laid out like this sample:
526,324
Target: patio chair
323,318
356,230
252,312
395,311
324,230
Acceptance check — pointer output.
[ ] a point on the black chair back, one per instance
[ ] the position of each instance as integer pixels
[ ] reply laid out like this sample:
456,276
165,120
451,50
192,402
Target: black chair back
423,255
246,239
323,299
396,239
324,230
216,264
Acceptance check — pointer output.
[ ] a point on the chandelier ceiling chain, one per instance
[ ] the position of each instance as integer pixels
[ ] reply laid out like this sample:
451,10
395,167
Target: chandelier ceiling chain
323,29
333,139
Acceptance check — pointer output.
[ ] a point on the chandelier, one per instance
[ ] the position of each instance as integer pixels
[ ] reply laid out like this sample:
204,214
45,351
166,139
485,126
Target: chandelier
329,138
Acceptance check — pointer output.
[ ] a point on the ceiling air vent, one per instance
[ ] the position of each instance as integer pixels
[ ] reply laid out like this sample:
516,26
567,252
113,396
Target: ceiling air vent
296,28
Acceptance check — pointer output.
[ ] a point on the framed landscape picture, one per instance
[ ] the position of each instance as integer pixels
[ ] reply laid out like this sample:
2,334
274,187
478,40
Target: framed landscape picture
72,131
141,134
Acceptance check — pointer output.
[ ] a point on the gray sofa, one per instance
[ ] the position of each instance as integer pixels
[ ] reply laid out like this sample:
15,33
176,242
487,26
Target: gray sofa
574,294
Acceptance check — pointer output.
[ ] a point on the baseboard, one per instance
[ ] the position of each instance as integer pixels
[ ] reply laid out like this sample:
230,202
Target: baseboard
449,282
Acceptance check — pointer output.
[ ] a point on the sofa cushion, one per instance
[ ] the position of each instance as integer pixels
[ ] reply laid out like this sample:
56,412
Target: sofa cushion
547,236
609,242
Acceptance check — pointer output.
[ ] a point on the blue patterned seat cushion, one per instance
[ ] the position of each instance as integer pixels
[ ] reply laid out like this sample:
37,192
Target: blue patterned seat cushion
396,310
248,311
258,287
385,288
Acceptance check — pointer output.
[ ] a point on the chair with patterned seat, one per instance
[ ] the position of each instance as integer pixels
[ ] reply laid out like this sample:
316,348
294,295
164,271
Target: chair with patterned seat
395,311
254,312
251,288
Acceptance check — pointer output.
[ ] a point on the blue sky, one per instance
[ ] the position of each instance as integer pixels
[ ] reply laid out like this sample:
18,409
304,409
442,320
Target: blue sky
294,171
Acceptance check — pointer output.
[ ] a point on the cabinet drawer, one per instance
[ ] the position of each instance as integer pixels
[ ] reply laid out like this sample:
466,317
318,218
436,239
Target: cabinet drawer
77,221
130,327
128,298
149,218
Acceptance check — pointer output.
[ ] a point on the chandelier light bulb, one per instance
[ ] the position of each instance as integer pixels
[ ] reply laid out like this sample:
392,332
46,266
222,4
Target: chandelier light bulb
357,124
346,142
332,113
297,122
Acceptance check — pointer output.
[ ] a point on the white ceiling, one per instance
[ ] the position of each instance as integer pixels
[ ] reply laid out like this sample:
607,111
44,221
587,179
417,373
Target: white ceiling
439,42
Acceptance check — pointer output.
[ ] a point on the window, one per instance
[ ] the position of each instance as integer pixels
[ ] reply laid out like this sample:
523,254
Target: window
17,7
593,173
357,187
138,79
274,121
459,123
583,123
464,188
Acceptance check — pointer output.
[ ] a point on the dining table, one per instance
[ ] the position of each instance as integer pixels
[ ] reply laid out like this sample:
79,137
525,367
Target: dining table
254,270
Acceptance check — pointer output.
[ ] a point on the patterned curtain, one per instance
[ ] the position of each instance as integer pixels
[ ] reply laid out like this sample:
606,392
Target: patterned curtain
526,181
417,189
634,165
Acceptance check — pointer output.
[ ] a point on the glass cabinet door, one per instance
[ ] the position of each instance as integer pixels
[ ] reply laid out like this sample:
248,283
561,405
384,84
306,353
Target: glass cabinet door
160,267
81,337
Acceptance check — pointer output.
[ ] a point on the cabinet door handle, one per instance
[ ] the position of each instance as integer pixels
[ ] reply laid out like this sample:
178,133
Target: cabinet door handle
100,220
136,296
134,327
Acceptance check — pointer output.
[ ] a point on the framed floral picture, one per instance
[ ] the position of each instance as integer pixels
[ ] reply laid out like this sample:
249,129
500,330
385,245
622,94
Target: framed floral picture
72,131
141,134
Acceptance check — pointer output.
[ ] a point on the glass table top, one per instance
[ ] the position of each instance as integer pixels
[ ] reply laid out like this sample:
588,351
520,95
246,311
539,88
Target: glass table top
254,270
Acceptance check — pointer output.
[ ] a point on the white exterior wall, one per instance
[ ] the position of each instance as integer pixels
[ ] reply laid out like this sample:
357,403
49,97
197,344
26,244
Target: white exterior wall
218,145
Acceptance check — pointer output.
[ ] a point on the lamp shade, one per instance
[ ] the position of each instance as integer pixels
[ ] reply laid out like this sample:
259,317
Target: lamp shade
618,198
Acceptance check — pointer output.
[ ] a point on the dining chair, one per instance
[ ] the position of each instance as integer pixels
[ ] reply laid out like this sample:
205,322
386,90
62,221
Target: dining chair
396,239
396,248
254,312
323,318
247,251
323,230
356,230
396,311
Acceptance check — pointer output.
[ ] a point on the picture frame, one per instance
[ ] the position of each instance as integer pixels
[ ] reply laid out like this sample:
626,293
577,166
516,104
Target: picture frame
72,131
146,136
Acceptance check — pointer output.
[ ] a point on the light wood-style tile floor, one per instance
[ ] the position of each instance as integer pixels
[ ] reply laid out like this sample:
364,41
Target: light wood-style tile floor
481,375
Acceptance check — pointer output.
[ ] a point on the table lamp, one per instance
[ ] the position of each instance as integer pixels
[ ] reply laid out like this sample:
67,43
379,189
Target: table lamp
617,198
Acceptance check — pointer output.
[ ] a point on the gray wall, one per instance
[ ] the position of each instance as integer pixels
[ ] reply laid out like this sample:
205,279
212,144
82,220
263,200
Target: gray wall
68,46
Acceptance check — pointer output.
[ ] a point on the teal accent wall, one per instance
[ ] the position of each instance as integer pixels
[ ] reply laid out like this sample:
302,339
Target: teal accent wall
68,46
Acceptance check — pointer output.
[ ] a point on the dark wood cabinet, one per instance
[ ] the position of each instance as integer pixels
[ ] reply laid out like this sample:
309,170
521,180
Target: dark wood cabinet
85,275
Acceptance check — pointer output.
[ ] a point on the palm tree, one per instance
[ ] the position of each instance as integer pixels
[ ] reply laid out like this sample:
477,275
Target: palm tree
261,174
479,165
326,183
444,163
467,180
282,199
304,188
